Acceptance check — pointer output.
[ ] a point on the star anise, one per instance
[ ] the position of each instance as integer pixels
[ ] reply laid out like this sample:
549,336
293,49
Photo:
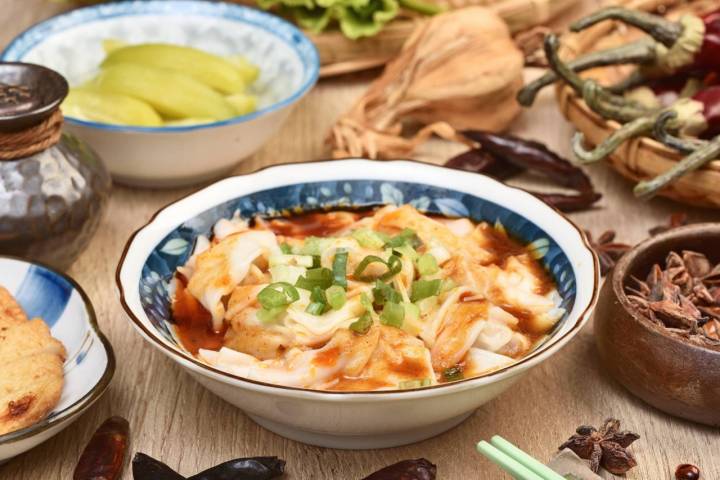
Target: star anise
607,250
606,447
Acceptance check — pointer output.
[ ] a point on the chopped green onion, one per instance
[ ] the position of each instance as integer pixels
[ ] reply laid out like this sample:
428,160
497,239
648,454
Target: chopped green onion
408,384
427,305
453,373
424,288
392,315
412,311
412,324
278,294
318,302
427,265
447,285
367,238
393,264
339,267
406,237
285,248
286,273
362,324
269,315
316,308
384,293
336,297
316,261
295,260
406,251
314,246
315,277
366,303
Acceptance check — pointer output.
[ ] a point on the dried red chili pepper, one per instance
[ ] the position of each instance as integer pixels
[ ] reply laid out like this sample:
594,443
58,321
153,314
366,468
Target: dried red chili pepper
145,467
692,44
255,468
104,455
504,156
419,469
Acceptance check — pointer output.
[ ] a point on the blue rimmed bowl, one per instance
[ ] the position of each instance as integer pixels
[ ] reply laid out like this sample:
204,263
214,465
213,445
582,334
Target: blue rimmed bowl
171,156
354,419
90,363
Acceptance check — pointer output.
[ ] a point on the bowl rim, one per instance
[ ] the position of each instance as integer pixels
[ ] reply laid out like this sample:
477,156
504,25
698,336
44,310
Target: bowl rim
206,370
82,15
97,390
620,271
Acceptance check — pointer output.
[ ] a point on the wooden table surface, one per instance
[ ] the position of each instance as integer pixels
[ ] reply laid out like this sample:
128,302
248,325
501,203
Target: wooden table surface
174,419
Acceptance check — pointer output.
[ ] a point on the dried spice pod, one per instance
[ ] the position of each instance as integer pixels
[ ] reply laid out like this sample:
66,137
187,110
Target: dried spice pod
145,467
460,70
104,456
606,447
504,156
419,469
256,468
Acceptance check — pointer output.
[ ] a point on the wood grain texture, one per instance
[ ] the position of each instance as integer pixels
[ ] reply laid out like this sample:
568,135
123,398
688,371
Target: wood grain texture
175,419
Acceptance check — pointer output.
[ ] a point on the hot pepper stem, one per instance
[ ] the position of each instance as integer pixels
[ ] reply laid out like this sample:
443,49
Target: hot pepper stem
662,30
597,98
609,145
666,138
695,160
641,51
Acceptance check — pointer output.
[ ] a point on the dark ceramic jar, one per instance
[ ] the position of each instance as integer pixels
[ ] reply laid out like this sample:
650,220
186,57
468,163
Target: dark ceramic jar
51,201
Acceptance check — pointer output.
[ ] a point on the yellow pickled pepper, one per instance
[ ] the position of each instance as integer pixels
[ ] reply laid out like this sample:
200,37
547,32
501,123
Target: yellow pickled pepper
171,93
212,70
109,108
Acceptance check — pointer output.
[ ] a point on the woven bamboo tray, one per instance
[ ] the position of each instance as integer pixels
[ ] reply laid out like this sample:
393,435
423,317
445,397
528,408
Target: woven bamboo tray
642,158
340,55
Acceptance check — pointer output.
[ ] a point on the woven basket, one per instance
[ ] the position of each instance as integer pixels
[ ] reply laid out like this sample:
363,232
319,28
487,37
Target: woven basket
640,158
339,54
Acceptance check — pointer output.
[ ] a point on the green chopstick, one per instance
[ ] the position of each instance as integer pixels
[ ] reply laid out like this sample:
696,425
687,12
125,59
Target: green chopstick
507,463
526,460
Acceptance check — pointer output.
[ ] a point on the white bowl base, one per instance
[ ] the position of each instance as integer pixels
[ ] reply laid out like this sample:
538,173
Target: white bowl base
361,442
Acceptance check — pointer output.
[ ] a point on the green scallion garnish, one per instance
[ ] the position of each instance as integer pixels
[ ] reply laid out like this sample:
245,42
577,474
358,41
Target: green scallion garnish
408,384
453,373
368,239
406,237
362,324
427,265
393,264
392,315
318,302
285,248
339,268
336,297
315,277
278,294
424,288
269,315
384,293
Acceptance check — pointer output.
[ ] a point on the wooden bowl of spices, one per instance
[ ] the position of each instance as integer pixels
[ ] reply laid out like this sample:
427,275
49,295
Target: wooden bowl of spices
657,323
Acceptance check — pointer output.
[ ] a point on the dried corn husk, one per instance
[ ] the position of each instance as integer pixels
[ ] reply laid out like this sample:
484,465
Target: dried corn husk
460,70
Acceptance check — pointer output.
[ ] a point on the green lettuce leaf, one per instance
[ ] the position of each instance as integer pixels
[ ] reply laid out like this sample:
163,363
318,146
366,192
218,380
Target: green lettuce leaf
367,20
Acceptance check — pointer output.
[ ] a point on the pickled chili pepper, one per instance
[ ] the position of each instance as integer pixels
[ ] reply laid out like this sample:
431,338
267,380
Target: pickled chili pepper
419,469
104,455
690,44
257,468
504,156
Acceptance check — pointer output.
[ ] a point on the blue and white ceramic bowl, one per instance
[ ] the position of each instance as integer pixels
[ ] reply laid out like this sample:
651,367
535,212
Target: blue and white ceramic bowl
348,419
169,156
90,363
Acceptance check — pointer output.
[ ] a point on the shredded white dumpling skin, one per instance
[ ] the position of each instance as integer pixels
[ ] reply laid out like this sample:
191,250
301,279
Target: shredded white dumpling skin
381,300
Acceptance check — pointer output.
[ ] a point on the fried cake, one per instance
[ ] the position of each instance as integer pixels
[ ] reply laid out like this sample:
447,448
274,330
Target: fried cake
31,367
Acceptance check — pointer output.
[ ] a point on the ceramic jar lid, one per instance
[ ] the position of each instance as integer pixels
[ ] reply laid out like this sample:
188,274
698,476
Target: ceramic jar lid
28,94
